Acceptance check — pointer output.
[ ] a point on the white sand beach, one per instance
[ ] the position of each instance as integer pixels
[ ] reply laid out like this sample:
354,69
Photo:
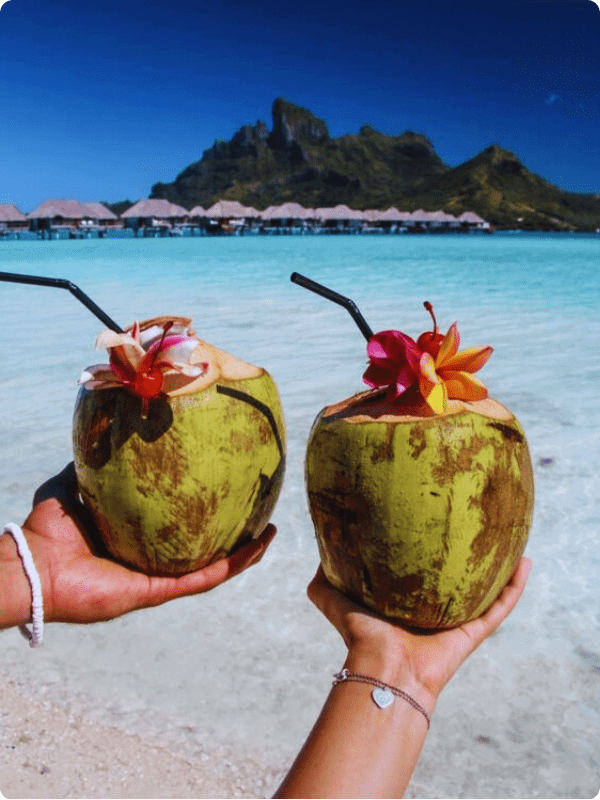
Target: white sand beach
35,738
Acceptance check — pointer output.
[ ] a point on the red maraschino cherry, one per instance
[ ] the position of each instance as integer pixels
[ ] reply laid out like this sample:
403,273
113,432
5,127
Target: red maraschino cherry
430,341
148,385
139,360
149,379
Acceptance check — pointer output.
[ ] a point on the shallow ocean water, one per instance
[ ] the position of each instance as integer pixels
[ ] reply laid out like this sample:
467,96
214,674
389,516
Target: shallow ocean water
251,662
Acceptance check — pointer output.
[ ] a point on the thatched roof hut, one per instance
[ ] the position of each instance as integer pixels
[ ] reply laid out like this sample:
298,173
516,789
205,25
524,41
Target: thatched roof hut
10,216
231,209
155,209
339,212
440,217
288,211
389,215
419,216
67,210
471,218
101,212
197,211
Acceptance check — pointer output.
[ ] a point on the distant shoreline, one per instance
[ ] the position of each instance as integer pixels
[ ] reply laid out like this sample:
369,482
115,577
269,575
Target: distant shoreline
129,234
71,219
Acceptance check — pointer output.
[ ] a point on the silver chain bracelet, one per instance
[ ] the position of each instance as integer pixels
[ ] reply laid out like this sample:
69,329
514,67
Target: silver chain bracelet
382,694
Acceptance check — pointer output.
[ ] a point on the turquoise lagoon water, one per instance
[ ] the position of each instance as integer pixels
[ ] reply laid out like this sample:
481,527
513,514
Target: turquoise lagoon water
250,662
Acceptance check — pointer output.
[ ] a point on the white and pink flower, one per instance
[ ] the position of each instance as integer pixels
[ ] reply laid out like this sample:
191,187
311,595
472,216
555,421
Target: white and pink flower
140,359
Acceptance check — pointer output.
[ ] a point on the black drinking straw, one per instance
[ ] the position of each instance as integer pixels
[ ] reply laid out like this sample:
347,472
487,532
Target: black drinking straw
329,294
62,283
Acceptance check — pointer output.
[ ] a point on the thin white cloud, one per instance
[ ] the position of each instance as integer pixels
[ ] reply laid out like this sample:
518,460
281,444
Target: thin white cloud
552,98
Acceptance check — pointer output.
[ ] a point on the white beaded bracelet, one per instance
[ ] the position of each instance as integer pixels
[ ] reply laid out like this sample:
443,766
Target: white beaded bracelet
36,634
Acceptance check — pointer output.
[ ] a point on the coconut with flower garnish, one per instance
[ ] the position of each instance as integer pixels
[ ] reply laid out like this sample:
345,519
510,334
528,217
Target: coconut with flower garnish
420,489
179,447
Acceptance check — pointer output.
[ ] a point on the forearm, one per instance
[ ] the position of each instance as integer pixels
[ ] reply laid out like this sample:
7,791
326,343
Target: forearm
15,592
357,749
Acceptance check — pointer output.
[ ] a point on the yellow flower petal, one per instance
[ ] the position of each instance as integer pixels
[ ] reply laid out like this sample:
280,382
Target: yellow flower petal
463,386
470,360
431,387
435,395
427,368
449,345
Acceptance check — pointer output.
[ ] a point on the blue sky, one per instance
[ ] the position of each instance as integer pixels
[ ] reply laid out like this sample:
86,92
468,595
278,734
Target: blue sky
99,100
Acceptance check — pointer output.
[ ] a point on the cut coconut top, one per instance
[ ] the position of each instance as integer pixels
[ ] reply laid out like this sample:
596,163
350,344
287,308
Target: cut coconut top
373,406
185,364
218,365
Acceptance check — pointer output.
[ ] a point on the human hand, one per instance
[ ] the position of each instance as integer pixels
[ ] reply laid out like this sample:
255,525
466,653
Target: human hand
429,658
80,580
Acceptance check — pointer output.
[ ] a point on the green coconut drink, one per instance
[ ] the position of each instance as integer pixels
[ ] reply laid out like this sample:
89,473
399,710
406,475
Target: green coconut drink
421,489
421,517
180,463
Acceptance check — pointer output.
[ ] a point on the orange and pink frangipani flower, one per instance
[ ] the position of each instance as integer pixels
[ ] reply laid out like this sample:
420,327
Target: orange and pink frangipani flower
432,364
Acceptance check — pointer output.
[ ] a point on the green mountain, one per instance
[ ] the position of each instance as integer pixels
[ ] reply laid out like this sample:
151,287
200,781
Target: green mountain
497,186
299,160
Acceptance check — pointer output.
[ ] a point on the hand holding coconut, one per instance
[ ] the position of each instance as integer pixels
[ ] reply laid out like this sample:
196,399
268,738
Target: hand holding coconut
420,490
179,447
80,583
361,748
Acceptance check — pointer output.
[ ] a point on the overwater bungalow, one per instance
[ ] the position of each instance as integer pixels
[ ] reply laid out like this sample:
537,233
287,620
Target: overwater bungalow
196,221
439,221
288,218
389,221
341,219
103,216
196,213
56,218
11,219
469,220
154,217
229,217
419,221
394,215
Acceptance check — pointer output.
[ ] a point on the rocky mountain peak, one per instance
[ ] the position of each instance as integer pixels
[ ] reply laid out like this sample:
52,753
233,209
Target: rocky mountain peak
501,161
250,140
295,124
415,145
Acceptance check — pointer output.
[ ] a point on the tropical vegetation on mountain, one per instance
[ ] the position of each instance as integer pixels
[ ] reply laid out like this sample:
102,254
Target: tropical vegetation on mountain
298,160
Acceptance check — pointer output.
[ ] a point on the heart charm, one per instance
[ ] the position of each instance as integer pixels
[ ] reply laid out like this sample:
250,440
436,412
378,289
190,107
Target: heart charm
382,697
